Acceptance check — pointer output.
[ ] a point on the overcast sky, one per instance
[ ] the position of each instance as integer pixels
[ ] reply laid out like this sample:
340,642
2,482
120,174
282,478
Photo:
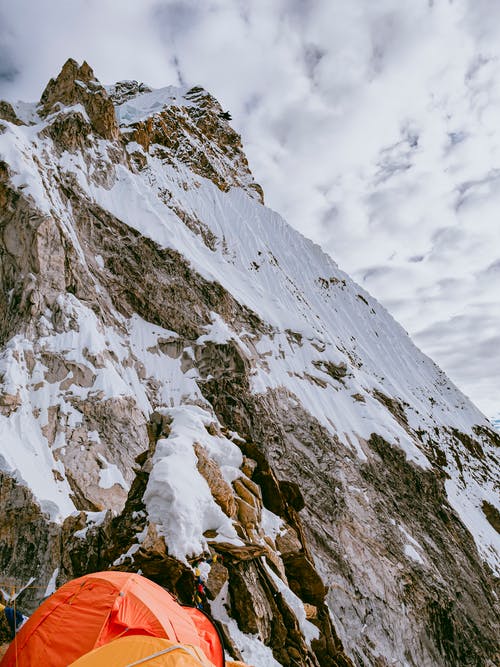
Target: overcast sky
373,126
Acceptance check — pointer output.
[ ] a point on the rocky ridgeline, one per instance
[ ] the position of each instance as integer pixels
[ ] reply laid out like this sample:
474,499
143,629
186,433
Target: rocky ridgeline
104,329
197,136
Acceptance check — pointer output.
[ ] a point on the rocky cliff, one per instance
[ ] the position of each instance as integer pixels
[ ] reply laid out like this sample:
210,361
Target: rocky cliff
191,389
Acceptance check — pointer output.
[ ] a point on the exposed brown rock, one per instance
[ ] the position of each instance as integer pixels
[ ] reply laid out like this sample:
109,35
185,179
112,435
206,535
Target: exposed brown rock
254,611
199,137
248,491
288,542
217,577
219,488
239,553
77,85
9,403
492,515
248,466
70,130
248,516
29,541
303,579
7,113
470,444
394,406
292,494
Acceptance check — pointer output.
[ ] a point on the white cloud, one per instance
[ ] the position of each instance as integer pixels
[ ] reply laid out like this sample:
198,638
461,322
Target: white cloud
373,127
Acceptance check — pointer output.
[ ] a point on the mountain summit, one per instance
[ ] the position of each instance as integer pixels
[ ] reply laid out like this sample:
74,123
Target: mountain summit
191,389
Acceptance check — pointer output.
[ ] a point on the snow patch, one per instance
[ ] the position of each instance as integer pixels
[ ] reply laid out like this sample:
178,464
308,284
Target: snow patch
177,498
111,475
145,105
51,586
413,554
271,524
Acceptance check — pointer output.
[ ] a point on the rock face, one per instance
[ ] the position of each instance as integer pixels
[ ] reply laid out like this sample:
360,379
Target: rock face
191,389
77,85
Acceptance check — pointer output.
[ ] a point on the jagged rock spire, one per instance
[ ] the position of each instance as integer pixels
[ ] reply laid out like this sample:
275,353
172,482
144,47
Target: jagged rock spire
76,84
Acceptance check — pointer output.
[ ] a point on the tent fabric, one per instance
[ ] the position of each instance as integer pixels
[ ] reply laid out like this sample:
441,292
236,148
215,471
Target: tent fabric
95,609
142,650
206,630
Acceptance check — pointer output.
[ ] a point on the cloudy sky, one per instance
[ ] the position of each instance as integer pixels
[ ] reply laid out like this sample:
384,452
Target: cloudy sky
373,126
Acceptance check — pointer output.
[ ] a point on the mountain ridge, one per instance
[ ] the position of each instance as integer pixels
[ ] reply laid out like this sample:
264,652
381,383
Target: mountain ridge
155,279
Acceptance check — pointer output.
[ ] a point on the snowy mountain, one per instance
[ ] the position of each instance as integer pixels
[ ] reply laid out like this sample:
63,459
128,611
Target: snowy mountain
185,376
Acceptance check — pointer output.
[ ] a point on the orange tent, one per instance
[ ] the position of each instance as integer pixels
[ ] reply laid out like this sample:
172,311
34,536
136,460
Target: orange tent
95,609
148,651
